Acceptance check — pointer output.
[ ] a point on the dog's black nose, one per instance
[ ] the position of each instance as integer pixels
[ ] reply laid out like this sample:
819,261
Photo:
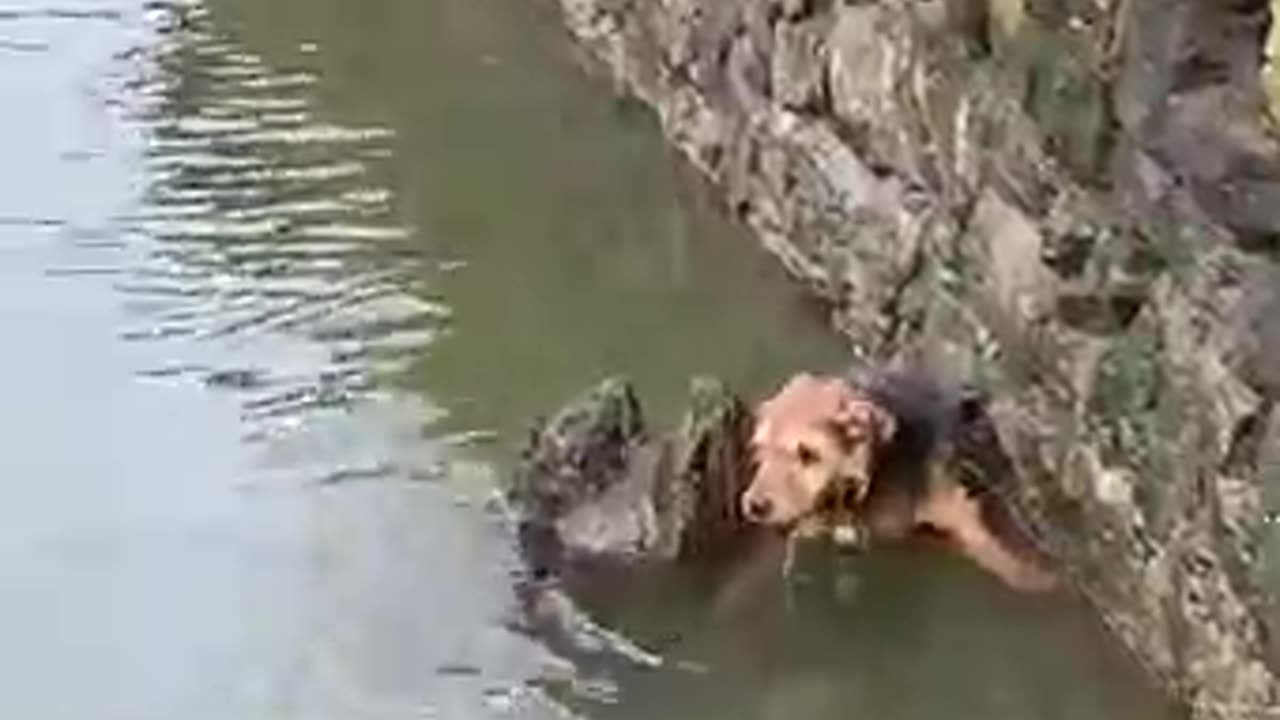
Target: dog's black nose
758,508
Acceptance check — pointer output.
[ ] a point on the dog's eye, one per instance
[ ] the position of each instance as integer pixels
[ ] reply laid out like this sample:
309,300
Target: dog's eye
806,454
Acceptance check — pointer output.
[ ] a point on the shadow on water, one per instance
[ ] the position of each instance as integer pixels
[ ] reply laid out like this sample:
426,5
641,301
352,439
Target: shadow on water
387,231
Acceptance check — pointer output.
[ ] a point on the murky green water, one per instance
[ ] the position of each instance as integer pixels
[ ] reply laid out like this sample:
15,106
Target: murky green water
282,283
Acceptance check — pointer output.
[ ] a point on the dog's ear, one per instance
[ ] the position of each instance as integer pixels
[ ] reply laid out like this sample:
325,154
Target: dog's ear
886,423
861,418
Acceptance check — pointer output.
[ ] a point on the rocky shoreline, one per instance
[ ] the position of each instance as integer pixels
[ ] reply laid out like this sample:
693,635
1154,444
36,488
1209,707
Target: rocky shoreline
1075,203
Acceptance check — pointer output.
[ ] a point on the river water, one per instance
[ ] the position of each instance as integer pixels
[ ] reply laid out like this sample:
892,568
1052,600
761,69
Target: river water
281,286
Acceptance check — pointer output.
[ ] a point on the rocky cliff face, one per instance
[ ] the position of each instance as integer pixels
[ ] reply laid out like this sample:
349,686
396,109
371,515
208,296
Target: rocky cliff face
1075,202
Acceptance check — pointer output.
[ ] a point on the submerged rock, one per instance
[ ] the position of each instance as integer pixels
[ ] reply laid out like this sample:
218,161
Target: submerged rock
610,513
594,485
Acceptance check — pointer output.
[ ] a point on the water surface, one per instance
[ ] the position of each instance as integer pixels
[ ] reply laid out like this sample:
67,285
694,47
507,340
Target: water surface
281,285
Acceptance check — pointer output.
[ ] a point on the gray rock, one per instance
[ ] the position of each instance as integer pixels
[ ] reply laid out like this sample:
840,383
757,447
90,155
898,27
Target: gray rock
593,485
1252,347
799,65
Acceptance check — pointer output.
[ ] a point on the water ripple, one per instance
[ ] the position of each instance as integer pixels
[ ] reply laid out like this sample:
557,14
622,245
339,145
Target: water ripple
22,46
268,224
15,14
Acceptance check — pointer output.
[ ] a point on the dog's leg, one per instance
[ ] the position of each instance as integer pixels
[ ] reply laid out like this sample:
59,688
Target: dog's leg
889,513
950,509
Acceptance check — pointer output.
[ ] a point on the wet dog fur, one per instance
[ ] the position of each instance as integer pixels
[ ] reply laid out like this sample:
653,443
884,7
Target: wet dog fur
866,457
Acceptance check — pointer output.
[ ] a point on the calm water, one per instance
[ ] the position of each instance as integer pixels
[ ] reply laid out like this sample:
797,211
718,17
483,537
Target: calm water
281,284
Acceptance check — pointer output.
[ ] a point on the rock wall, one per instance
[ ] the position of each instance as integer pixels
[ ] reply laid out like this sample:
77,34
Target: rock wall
1075,202
1271,73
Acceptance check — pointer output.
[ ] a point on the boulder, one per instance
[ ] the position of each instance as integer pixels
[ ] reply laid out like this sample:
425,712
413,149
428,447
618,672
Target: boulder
595,486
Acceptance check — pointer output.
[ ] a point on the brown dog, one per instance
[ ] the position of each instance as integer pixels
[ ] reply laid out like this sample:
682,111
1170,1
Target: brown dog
876,449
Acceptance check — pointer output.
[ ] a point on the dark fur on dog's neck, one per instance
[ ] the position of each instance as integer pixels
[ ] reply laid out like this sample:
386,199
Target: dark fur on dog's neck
933,418
927,415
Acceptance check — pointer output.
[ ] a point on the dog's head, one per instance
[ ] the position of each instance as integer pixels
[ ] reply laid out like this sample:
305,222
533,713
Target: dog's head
816,435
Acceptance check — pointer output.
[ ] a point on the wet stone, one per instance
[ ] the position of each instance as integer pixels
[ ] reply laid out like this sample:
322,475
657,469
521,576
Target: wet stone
594,484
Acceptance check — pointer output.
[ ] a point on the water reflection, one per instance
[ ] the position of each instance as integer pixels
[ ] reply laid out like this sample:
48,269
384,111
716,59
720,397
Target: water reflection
267,222
276,272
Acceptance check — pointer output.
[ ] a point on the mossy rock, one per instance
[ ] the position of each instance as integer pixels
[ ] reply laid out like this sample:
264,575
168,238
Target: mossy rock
593,484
